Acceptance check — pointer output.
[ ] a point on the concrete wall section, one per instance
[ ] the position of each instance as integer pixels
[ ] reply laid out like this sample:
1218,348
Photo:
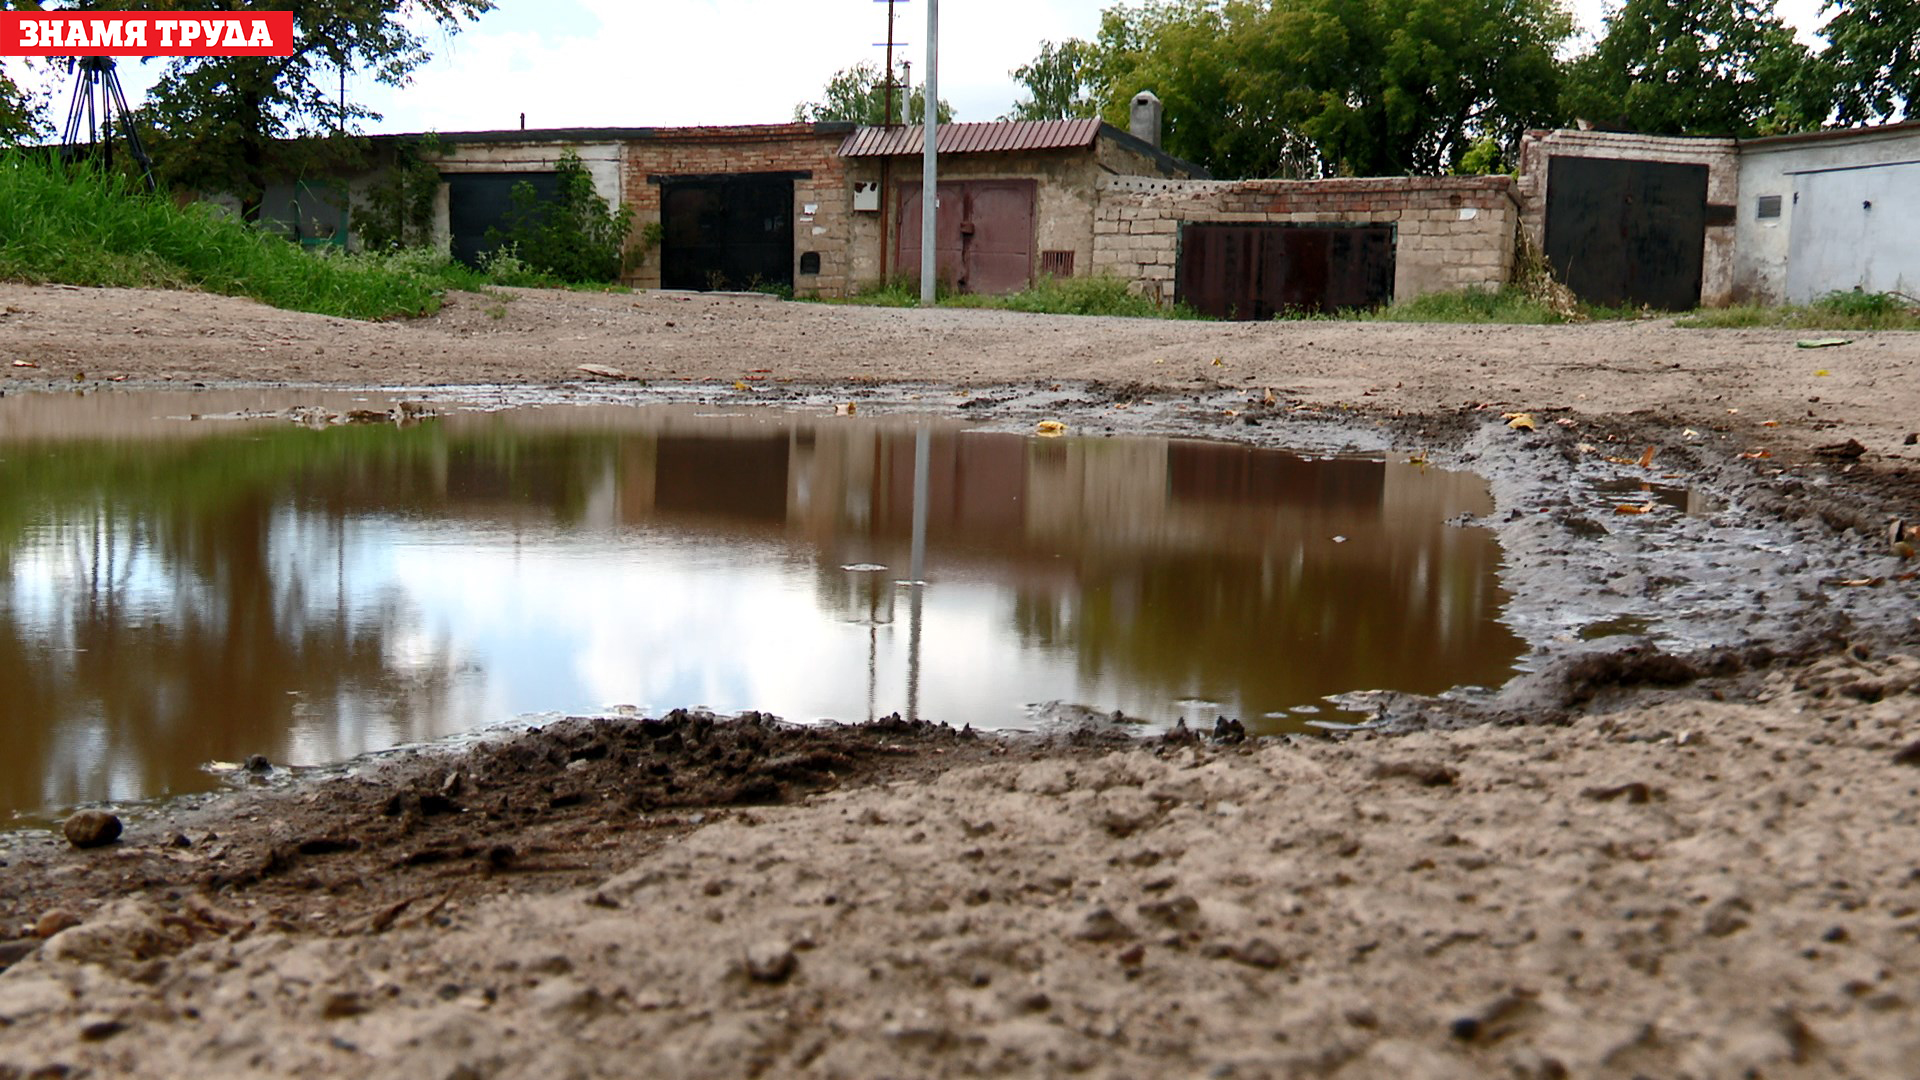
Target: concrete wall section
1720,156
1451,232
821,203
1842,249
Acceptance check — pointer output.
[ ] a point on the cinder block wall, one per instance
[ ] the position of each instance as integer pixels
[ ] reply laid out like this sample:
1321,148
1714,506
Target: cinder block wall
1450,231
1720,156
698,151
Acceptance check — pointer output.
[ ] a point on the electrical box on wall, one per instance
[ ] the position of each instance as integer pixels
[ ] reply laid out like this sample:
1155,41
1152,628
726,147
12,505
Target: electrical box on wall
866,197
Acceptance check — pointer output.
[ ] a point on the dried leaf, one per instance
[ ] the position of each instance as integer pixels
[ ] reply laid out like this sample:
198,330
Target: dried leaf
1633,508
1862,583
738,385
1646,459
1521,422
1050,429
1769,423
844,410
1268,399
1757,455
1822,343
1217,362
1822,373
25,363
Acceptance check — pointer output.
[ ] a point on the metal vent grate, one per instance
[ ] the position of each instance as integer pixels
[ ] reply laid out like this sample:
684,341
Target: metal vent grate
1769,206
1056,263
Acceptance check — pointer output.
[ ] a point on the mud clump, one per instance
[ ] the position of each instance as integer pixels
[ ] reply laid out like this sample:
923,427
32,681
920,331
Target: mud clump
543,810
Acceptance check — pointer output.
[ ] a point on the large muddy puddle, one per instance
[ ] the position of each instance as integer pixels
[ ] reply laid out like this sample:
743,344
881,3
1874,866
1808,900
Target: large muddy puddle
182,589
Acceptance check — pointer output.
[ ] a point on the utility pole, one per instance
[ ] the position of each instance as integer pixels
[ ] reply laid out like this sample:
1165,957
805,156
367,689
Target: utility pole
929,163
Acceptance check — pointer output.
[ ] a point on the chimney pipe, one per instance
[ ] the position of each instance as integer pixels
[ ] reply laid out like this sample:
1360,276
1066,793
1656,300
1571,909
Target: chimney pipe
1144,121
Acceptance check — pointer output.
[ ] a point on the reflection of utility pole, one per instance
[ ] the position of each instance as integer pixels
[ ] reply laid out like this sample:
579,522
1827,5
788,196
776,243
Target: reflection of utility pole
922,446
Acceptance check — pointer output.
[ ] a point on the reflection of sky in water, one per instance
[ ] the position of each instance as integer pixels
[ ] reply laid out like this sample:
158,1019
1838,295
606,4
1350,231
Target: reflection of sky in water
317,595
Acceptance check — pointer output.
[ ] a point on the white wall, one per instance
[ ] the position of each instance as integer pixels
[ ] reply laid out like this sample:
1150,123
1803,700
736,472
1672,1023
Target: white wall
1823,239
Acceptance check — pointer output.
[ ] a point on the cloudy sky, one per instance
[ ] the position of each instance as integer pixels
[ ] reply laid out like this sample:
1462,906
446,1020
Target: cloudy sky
592,63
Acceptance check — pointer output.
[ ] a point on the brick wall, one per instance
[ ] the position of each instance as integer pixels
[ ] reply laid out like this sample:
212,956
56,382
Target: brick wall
697,151
1450,232
1720,156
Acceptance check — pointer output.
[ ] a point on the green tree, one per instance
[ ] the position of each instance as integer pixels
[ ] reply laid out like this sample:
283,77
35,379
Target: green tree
859,94
22,118
219,119
1698,67
1345,87
575,236
1873,56
1061,83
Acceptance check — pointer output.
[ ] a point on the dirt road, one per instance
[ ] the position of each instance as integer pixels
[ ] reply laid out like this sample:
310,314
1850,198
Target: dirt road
1650,861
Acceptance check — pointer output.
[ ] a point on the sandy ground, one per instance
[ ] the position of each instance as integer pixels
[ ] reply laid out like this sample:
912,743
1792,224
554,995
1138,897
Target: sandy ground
1658,865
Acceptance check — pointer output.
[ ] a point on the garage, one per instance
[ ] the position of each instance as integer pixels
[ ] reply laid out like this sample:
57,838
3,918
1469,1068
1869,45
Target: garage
983,234
729,231
1258,271
477,202
1623,232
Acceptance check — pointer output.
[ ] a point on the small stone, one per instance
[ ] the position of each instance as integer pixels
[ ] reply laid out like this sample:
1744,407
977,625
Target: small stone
771,962
258,763
92,829
1036,1002
566,995
1101,924
53,922
179,840
1908,755
1133,955
342,1005
100,1030
1259,953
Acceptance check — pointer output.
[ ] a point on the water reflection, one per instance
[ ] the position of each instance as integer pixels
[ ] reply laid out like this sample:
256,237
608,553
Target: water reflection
189,592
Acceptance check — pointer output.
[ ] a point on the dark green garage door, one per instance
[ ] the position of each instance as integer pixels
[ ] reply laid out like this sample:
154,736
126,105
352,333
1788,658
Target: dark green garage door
726,232
477,202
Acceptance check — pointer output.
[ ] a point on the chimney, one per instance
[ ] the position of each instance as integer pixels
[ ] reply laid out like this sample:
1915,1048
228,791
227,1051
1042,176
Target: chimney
1144,121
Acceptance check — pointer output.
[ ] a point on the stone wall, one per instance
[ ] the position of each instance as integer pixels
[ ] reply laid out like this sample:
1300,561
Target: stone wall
822,204
1720,156
1449,232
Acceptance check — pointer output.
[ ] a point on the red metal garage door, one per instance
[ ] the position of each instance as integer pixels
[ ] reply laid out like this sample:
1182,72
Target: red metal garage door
983,234
1234,271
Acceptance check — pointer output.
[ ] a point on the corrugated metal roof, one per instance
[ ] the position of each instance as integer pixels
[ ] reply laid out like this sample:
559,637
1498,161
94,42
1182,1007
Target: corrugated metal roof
999,135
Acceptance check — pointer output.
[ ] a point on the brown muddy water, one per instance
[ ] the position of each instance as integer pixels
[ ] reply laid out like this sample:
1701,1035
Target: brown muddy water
191,579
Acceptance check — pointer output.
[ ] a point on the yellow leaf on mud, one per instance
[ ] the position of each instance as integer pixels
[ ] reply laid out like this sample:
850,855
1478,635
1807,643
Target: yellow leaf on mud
845,410
1217,362
738,385
1050,429
1633,508
1823,372
1521,422
1757,455
1862,583
1646,459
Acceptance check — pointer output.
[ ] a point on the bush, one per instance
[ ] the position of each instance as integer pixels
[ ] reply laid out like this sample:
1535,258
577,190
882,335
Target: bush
575,236
87,228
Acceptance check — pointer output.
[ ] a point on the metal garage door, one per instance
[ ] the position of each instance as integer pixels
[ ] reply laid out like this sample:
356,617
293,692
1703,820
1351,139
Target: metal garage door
726,232
1853,229
1235,271
983,234
477,202
1628,232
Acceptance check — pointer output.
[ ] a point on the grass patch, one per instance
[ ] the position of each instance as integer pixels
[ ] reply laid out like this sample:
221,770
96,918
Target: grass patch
1100,295
88,228
1509,304
1834,311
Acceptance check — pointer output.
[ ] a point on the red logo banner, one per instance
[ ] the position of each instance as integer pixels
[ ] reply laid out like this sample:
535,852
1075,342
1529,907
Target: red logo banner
98,33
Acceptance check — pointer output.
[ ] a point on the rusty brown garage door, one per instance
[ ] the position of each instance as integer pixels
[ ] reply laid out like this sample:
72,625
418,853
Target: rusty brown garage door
983,234
1233,271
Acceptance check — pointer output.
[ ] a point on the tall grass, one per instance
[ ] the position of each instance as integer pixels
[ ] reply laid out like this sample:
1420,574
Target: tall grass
83,227
1099,295
1834,311
1508,304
